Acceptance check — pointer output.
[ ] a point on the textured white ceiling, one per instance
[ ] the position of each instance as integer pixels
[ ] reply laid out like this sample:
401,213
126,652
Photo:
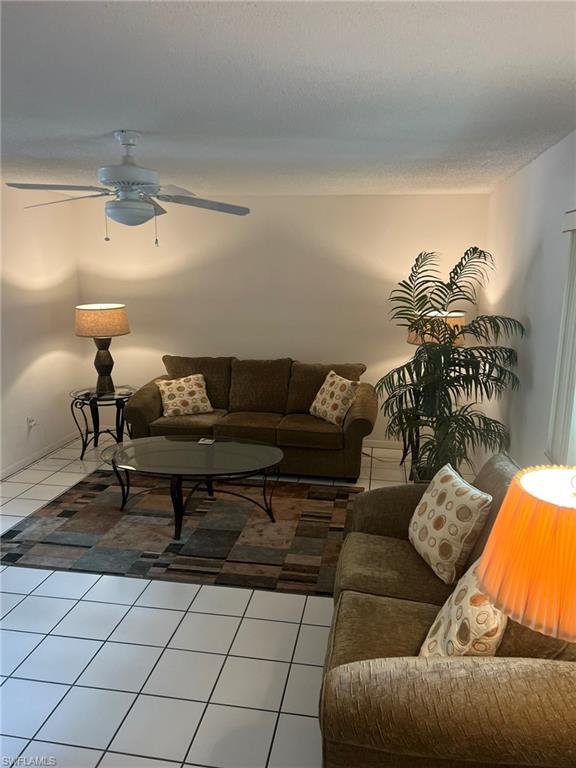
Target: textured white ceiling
288,97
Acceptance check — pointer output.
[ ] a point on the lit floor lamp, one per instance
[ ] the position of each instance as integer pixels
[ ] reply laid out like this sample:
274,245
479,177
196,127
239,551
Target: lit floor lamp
528,567
101,322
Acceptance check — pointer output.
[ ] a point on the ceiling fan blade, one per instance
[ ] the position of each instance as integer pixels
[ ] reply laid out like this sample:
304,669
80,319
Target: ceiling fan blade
68,200
172,189
157,207
56,187
211,205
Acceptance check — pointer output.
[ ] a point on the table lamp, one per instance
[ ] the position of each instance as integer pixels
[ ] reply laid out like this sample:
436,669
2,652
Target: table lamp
528,568
101,322
455,319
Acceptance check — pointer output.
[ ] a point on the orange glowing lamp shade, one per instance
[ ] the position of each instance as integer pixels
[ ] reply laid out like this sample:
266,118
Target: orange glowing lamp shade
528,568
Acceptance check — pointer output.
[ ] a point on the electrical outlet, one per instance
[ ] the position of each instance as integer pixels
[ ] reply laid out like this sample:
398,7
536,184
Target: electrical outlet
31,422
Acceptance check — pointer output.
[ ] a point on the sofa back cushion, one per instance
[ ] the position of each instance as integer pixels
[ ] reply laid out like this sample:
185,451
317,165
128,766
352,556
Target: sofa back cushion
260,385
494,479
216,372
523,642
307,378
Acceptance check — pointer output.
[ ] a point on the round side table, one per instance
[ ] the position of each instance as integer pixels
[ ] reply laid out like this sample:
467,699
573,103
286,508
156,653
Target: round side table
82,398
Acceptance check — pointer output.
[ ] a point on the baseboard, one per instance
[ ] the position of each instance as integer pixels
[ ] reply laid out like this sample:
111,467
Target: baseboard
37,455
393,444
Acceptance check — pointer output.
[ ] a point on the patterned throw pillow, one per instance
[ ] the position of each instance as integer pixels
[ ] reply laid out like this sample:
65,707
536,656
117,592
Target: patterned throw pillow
467,624
447,522
334,399
181,397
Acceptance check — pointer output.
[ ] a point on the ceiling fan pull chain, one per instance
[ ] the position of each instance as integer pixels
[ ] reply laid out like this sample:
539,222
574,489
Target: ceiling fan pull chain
156,229
106,236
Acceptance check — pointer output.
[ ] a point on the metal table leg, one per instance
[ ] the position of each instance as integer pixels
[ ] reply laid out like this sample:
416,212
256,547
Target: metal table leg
124,485
177,503
95,421
119,421
75,406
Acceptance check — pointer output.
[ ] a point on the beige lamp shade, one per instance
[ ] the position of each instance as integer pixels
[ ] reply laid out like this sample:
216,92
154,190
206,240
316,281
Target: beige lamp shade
455,319
101,321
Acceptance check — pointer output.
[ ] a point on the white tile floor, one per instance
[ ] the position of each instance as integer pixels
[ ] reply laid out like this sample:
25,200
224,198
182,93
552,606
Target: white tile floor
191,679
120,672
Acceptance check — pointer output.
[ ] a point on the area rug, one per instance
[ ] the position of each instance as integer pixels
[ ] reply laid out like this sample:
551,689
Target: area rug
225,540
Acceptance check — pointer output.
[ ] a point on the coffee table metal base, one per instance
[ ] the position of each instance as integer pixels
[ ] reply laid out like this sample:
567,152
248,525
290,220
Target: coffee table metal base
179,503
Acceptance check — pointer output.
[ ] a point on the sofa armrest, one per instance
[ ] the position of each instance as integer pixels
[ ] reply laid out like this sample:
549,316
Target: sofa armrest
144,406
385,511
497,710
361,416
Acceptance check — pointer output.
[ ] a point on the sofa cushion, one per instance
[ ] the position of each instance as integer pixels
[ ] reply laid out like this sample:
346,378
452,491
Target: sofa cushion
216,371
380,565
494,478
307,378
372,627
260,385
520,641
200,424
260,427
301,430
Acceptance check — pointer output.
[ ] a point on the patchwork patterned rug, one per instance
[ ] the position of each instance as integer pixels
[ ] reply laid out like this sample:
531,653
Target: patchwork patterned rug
225,540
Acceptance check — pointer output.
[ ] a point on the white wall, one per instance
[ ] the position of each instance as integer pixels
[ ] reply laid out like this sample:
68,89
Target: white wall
525,235
305,277
40,354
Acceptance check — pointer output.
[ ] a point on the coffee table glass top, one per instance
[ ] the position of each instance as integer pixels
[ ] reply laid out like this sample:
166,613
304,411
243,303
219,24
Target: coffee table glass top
184,455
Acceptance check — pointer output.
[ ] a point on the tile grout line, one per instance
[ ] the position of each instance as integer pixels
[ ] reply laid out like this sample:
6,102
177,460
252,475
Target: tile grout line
275,730
140,691
83,599
49,634
75,684
102,643
10,676
24,596
226,656
46,457
41,482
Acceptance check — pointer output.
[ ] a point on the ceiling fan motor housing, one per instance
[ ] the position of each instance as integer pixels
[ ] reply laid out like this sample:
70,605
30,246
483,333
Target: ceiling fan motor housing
130,181
128,176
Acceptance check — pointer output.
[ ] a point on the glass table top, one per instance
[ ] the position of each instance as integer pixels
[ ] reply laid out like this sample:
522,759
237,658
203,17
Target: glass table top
123,392
184,455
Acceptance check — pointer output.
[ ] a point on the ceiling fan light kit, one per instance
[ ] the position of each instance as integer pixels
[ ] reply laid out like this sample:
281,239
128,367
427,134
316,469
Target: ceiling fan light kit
134,190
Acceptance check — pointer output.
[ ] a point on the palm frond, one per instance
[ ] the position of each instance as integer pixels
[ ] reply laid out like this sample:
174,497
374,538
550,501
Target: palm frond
410,298
456,434
491,328
470,273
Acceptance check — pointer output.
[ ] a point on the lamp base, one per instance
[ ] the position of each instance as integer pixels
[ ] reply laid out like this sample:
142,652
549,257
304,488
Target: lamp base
104,363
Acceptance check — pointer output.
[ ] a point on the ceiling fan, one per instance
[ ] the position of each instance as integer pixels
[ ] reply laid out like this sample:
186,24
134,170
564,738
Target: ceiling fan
135,190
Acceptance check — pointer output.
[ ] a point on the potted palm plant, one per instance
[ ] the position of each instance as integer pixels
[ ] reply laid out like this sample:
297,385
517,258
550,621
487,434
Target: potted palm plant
431,402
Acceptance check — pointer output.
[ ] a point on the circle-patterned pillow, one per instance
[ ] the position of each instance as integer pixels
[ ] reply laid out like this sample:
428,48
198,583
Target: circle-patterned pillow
467,624
447,522
334,399
183,397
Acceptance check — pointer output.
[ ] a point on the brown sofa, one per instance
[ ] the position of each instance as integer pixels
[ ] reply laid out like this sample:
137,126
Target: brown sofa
381,705
266,401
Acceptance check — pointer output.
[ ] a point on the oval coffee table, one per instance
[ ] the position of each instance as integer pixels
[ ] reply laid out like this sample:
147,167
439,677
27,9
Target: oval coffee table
181,456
